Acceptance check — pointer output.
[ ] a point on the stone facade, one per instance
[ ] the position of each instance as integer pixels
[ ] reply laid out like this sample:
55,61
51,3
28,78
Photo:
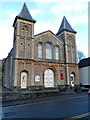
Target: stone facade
24,62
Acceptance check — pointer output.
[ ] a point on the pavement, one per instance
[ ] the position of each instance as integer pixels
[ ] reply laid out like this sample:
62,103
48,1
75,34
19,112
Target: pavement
40,99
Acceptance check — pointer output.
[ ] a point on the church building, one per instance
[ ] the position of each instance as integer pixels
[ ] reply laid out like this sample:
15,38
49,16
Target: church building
45,59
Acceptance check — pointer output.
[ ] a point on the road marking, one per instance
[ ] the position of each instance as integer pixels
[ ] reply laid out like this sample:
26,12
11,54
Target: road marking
78,116
43,102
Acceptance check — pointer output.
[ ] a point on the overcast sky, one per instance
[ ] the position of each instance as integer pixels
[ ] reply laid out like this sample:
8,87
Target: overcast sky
48,14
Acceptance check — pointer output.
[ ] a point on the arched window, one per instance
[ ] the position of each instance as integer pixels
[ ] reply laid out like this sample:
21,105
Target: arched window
23,80
72,79
56,53
39,51
49,78
48,51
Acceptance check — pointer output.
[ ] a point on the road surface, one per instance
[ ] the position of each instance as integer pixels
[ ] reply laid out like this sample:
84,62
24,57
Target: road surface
67,108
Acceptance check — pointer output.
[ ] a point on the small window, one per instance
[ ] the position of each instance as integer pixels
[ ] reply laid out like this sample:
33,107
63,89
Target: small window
48,51
24,30
56,53
39,51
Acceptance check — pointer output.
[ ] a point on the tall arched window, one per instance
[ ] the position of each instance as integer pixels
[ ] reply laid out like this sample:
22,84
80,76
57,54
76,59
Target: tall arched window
39,51
56,53
48,51
72,79
49,78
23,80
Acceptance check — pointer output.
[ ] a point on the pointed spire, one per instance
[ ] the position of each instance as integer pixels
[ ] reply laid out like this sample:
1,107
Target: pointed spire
65,26
24,14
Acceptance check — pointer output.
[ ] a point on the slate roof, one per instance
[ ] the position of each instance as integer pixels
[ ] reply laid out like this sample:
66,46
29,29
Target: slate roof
25,14
65,26
84,63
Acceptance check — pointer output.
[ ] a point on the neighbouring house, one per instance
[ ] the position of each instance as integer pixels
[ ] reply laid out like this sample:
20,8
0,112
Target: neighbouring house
45,59
84,71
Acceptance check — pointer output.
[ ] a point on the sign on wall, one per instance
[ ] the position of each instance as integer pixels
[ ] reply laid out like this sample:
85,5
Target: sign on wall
37,78
71,78
23,80
61,75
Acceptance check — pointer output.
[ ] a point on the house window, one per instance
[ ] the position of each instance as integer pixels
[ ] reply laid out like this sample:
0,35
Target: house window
39,51
56,53
48,51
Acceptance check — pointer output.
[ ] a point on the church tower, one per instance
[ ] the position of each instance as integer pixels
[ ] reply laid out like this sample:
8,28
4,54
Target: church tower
68,35
23,34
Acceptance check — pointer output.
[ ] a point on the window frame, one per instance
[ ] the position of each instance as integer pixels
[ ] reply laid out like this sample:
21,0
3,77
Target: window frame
39,51
56,57
48,51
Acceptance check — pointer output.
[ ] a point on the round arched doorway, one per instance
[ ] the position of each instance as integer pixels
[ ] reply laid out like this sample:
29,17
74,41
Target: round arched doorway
49,78
72,79
23,80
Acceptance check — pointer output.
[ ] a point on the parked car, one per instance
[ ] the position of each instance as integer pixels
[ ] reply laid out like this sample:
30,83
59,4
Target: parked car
89,91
